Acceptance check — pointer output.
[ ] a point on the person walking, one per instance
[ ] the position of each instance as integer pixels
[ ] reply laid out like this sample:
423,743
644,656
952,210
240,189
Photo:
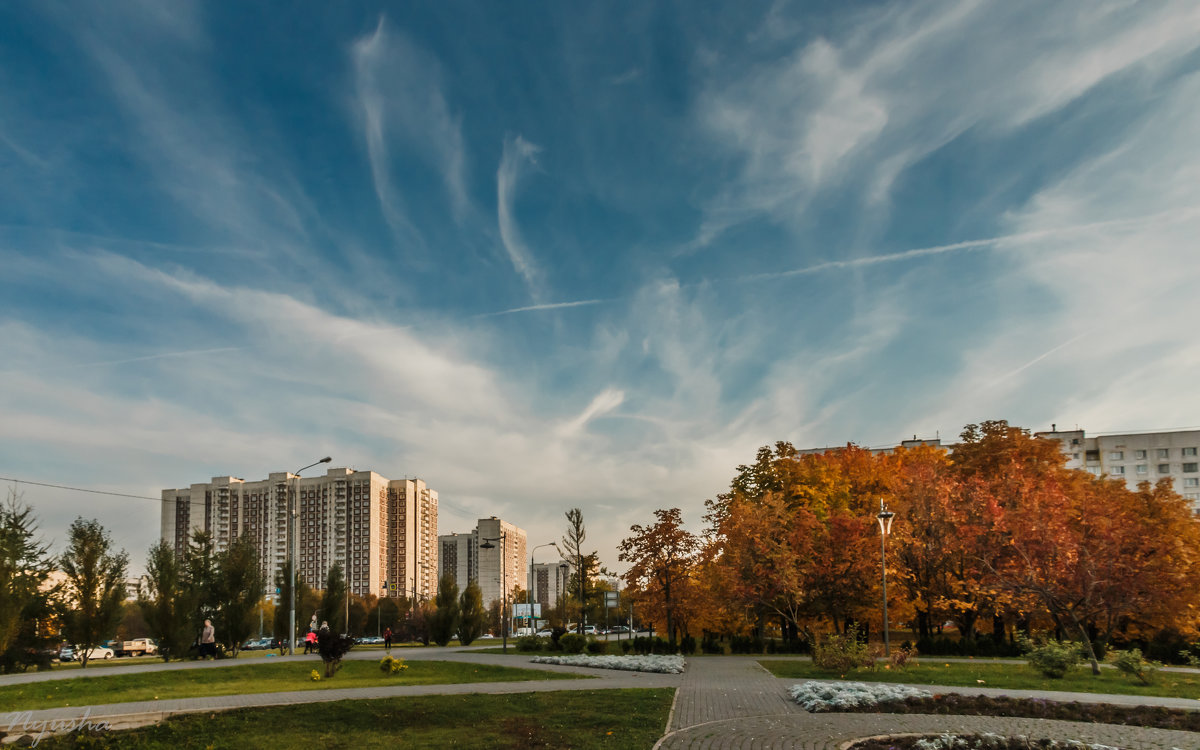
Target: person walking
208,640
387,639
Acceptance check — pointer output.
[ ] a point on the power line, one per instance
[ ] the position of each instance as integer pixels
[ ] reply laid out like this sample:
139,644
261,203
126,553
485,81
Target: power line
77,489
451,506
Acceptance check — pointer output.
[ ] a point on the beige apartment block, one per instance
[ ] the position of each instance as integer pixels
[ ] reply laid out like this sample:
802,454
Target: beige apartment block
378,529
1136,457
464,558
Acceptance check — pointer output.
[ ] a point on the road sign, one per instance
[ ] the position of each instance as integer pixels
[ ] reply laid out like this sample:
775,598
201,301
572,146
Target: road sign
612,599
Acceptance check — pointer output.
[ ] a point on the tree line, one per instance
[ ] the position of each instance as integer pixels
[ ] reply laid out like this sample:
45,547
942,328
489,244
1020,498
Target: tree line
996,537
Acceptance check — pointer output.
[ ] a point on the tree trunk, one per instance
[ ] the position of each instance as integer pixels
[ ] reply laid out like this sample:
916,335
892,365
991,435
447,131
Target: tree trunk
1082,629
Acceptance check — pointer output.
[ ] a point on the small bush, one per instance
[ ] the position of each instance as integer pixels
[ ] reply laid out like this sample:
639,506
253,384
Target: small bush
1131,663
903,656
315,676
710,645
687,645
745,644
1052,658
391,665
842,653
626,647
529,643
597,647
572,643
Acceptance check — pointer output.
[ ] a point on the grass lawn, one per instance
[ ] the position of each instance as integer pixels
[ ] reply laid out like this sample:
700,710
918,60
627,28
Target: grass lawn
582,720
260,678
1015,676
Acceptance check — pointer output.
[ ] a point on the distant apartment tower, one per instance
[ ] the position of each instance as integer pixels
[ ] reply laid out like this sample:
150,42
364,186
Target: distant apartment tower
465,558
458,555
549,583
1136,457
378,529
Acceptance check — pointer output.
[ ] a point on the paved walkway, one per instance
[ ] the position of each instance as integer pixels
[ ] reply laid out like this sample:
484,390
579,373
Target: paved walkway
720,703
733,703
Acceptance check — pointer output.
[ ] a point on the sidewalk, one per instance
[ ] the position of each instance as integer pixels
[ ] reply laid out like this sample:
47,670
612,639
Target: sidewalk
720,703
732,702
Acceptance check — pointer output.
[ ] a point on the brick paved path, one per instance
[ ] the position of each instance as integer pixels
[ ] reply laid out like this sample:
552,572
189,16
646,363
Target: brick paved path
732,703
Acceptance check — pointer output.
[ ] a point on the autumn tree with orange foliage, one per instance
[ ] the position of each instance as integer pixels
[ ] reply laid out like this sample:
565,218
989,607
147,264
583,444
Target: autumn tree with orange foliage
998,529
661,559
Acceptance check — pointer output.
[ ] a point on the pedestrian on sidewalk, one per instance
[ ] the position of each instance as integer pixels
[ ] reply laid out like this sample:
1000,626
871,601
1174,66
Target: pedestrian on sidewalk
208,640
387,639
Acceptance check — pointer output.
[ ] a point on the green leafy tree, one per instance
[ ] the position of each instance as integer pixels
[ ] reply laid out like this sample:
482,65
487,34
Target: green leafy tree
445,615
27,604
472,617
333,601
306,601
238,589
165,602
200,580
95,577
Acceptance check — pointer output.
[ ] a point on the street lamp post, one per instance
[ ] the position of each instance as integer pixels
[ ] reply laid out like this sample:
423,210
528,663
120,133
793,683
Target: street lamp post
293,544
531,574
487,544
885,527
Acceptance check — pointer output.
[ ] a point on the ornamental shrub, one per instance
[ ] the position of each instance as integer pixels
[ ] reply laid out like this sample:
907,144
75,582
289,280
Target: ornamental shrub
597,647
1131,663
626,647
843,652
572,643
529,643
1052,658
687,645
710,645
391,665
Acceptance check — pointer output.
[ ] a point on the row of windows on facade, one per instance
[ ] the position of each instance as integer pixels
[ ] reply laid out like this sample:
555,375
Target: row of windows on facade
1188,468
1141,454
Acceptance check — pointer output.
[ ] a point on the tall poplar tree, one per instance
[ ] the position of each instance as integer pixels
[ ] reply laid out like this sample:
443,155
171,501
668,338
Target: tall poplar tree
582,561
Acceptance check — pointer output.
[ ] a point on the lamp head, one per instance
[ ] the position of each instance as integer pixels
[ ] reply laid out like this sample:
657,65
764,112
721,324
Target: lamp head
325,460
487,545
885,517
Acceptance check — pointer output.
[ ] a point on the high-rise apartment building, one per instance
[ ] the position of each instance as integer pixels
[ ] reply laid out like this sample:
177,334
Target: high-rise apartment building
378,529
1136,457
498,568
458,555
549,583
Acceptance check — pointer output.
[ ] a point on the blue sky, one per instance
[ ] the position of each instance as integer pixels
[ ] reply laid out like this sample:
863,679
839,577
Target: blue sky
547,256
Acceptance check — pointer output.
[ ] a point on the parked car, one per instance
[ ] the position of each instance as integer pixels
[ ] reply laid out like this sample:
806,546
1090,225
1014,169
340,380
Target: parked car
617,629
101,652
66,653
545,632
371,640
257,644
591,630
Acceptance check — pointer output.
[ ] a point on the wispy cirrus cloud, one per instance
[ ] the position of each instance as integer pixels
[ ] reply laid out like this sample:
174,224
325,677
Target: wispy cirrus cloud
399,94
516,158
843,109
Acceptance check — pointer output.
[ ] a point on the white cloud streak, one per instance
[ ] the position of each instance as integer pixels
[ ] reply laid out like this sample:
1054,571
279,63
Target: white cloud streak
517,154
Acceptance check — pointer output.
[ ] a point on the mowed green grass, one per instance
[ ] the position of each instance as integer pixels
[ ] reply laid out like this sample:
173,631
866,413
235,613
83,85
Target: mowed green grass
251,678
582,720
1013,676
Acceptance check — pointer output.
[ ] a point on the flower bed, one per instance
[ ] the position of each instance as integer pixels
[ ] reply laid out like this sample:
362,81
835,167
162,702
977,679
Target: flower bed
953,704
848,696
646,663
973,742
